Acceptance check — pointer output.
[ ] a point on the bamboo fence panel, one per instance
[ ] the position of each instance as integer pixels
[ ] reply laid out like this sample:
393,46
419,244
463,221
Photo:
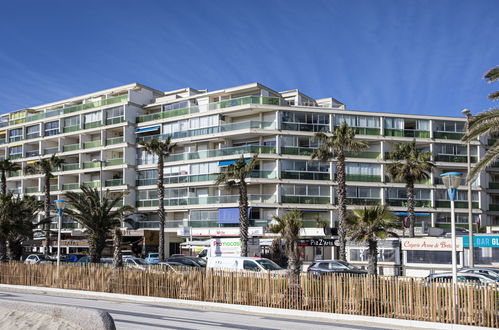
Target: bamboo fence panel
382,296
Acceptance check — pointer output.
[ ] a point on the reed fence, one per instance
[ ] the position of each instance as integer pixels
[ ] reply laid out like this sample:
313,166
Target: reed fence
381,296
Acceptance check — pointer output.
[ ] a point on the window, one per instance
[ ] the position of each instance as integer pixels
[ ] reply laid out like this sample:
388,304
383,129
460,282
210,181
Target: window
361,192
72,121
52,128
430,257
16,132
33,130
15,150
200,122
175,106
304,190
250,265
357,121
93,117
303,165
362,169
115,112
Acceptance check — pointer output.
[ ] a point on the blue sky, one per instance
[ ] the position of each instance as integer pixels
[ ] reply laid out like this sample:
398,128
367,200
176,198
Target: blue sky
421,57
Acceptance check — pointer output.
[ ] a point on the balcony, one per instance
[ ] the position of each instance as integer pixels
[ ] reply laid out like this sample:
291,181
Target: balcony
15,191
367,130
113,183
302,175
69,129
15,173
305,200
94,124
32,136
95,104
360,201
201,178
32,153
31,190
493,185
3,141
298,151
454,158
211,130
155,224
448,135
92,144
403,202
15,156
15,138
363,154
92,184
221,152
71,186
212,106
114,162
363,178
71,147
267,199
457,204
54,187
494,207
407,133
115,120
427,181
70,167
91,164
49,151
115,140
304,127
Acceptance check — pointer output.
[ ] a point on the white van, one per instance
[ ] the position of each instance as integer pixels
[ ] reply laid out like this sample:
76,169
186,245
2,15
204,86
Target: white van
244,263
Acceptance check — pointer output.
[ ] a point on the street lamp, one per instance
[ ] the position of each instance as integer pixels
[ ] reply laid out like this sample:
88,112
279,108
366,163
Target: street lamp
451,181
59,205
471,261
100,175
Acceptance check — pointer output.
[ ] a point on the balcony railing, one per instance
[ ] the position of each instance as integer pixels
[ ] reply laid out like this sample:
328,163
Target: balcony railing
363,178
91,164
211,130
299,151
49,151
70,186
15,173
155,224
54,187
494,185
200,178
366,130
32,153
71,147
115,140
114,182
96,104
69,129
15,156
457,204
403,202
114,162
32,136
2,141
494,207
267,199
92,184
305,200
454,158
115,120
94,124
31,190
448,135
221,152
91,144
305,175
363,154
407,133
70,167
15,138
361,201
304,127
212,106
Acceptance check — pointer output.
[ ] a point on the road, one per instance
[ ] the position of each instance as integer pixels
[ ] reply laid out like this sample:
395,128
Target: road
132,315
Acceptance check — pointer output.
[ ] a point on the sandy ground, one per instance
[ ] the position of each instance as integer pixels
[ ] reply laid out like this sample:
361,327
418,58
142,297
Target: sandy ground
12,319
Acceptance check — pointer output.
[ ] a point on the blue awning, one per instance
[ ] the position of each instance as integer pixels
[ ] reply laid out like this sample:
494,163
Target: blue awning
148,129
229,215
230,162
404,214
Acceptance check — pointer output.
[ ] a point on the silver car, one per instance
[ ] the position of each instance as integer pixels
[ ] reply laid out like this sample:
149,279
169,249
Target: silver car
494,272
37,259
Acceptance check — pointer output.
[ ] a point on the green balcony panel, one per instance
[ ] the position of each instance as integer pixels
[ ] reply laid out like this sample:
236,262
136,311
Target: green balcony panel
91,164
367,130
115,140
494,185
91,144
114,182
95,104
70,186
70,167
116,120
448,135
361,201
305,200
455,158
297,151
31,190
491,142
71,129
32,136
403,202
92,184
49,151
54,187
494,207
162,115
304,127
15,156
71,147
114,162
305,175
363,178
15,138
457,204
363,154
15,173
92,125
2,141
221,152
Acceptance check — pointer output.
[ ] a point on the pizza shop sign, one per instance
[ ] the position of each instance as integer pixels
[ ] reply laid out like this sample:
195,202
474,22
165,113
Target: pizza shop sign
431,244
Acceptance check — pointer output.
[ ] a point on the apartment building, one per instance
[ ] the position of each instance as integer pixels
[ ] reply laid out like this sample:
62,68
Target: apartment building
213,129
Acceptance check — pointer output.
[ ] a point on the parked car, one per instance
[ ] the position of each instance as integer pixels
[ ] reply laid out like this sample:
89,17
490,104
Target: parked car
244,263
494,272
38,259
320,267
73,257
152,258
481,279
169,266
188,261
134,262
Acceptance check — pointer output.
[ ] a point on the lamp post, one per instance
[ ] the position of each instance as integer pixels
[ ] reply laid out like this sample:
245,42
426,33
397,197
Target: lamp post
100,175
451,181
471,261
59,204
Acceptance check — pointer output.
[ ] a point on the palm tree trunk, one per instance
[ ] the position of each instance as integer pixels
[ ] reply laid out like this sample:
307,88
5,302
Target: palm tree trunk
47,212
161,209
372,257
96,242
92,247
243,217
117,256
294,264
410,206
4,183
342,205
3,250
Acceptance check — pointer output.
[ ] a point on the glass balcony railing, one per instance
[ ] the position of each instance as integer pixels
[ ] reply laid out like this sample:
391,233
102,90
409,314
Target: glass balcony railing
32,136
69,129
366,130
265,199
494,207
15,191
427,181
454,158
305,200
31,190
363,178
49,151
403,202
155,224
212,106
71,147
304,127
15,138
491,142
95,104
94,124
15,173
54,187
32,153
221,152
203,224
91,144
114,162
200,178
494,185
71,167
361,201
115,140
70,186
448,135
113,183
297,175
457,204
2,141
363,154
15,156
91,164
92,184
407,133
299,151
211,130
115,120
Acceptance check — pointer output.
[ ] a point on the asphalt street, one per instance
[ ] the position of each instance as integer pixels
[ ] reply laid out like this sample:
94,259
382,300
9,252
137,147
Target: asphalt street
132,315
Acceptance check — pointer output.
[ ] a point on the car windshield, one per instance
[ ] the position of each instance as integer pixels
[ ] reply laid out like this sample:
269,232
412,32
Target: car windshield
268,264
345,265
139,261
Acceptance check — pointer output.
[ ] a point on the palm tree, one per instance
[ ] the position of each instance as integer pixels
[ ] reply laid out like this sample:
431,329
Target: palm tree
409,166
46,166
6,165
162,149
333,147
485,123
235,175
369,225
289,227
96,216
